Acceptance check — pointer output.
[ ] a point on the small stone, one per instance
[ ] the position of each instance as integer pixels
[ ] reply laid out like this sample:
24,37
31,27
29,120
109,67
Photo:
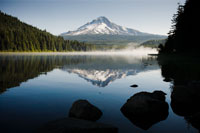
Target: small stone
167,80
134,86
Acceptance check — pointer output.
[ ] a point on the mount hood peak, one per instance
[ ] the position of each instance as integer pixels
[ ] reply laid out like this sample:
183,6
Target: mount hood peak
103,26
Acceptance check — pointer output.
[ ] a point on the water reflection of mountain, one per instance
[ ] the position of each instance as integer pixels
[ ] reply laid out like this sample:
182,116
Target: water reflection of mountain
102,78
15,69
185,97
106,69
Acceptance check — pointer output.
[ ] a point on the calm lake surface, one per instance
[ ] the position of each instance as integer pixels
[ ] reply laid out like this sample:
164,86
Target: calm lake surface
36,89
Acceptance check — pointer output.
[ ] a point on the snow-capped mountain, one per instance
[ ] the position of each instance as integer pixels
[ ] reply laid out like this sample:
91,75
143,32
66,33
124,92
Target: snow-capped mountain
103,26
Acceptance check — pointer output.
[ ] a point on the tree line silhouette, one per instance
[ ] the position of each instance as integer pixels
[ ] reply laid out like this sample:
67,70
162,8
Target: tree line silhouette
183,37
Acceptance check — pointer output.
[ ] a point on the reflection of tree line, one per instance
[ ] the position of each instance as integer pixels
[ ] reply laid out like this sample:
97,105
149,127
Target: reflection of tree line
15,69
185,97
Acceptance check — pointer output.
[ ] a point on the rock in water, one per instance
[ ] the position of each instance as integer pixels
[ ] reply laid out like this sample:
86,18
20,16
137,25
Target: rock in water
72,125
82,109
159,95
167,80
145,109
134,86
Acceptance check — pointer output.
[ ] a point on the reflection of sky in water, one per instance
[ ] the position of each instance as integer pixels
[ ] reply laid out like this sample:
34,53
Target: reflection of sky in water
49,97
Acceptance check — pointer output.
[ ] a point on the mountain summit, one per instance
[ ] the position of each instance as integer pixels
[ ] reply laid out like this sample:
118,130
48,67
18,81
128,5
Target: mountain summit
103,26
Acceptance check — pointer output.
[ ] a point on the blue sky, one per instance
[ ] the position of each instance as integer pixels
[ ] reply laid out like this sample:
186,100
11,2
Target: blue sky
58,16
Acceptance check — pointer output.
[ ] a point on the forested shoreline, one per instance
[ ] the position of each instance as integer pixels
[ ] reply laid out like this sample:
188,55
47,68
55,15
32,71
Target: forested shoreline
183,36
17,36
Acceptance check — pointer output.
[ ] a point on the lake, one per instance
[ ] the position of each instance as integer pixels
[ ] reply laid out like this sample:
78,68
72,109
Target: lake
38,88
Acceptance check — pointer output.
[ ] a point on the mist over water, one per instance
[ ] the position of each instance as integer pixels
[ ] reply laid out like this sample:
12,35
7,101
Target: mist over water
141,51
129,50
137,50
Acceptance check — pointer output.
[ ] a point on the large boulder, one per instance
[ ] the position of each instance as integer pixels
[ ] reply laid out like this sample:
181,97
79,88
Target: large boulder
72,125
145,109
82,109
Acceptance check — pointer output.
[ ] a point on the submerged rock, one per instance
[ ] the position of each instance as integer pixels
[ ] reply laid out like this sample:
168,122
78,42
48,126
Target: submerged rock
167,80
82,109
134,85
72,125
145,109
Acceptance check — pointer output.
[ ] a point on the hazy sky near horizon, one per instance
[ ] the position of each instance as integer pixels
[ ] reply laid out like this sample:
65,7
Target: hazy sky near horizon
58,16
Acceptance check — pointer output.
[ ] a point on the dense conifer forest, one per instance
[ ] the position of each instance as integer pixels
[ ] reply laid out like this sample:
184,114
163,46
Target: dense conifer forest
183,36
16,36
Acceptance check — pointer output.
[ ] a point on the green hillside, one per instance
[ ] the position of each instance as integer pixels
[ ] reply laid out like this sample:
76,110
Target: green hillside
18,36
